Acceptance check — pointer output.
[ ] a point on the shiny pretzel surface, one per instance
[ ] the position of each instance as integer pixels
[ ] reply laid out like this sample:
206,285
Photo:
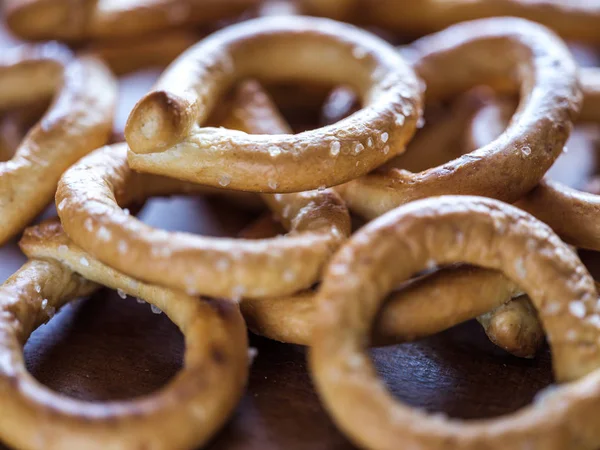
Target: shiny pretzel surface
382,190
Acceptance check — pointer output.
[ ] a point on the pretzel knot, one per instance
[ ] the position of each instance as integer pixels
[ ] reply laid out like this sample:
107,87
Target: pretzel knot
92,19
183,414
78,121
536,62
92,192
477,231
453,296
165,138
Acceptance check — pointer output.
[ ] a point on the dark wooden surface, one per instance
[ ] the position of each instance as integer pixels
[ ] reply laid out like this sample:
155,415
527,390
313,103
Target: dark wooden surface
106,348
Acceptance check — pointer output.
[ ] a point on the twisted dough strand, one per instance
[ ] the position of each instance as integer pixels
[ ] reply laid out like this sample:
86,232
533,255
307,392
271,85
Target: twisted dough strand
78,121
183,414
165,138
506,168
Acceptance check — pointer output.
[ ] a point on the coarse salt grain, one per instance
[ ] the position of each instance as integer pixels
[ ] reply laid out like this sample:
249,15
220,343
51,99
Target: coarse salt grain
224,180
577,309
334,148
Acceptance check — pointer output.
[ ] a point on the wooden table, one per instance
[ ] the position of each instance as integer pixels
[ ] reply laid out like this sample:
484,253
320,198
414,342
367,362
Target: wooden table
106,348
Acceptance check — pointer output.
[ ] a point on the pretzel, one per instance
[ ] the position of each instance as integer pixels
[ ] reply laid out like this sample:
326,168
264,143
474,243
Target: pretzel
572,19
317,222
183,414
477,231
507,168
572,214
69,20
164,137
438,301
288,318
78,121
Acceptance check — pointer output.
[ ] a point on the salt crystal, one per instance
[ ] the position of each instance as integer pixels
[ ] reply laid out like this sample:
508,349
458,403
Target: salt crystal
224,180
577,309
334,148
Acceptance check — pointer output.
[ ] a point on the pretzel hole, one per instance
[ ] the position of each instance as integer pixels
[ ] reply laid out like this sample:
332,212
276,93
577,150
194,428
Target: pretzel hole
455,358
15,123
305,105
92,345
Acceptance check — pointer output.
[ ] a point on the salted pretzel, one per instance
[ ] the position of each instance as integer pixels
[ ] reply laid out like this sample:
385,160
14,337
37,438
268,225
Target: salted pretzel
454,295
534,60
572,19
423,307
89,201
572,214
70,20
78,121
184,414
481,232
165,138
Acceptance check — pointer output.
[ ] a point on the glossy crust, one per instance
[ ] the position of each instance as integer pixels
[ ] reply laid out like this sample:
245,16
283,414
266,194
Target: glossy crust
574,215
572,19
317,221
78,121
478,231
69,20
466,55
184,414
165,138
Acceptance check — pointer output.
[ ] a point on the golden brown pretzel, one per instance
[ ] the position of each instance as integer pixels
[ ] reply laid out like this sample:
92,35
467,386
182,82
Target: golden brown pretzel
317,222
92,19
425,306
535,61
165,138
78,121
572,19
184,414
574,215
451,295
494,235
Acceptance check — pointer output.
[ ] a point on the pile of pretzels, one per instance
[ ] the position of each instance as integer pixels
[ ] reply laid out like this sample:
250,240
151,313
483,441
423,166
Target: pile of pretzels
382,226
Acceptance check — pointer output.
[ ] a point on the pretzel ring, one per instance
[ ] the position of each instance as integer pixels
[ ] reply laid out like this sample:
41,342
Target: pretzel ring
183,414
577,20
574,215
512,165
88,200
69,20
425,306
496,236
289,319
164,137
78,121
